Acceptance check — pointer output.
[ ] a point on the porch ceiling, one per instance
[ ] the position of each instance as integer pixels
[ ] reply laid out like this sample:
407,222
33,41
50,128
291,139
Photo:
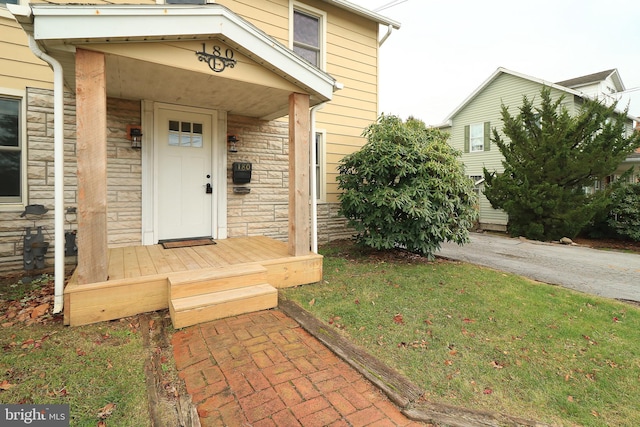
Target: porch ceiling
60,29
129,78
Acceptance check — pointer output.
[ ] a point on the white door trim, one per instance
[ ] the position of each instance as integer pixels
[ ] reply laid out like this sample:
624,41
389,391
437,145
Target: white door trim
150,169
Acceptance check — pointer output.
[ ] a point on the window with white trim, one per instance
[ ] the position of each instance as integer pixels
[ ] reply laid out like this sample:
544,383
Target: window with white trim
477,137
3,2
320,165
11,173
307,34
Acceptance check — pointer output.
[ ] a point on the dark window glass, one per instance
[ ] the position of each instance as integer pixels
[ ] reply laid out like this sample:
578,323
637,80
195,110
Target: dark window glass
9,174
9,119
10,152
8,1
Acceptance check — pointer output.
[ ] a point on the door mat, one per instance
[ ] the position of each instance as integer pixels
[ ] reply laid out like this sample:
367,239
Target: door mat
186,243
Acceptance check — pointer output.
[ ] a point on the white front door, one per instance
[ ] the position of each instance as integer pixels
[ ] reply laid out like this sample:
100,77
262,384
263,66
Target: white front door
184,174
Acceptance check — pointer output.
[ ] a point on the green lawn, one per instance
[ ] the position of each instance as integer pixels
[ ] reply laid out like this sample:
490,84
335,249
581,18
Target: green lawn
483,339
98,370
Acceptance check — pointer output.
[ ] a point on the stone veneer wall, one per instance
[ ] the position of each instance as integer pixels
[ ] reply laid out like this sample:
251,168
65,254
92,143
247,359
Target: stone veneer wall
264,211
124,193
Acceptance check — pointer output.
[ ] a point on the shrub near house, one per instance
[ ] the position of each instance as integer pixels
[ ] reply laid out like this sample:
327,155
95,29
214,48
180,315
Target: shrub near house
406,187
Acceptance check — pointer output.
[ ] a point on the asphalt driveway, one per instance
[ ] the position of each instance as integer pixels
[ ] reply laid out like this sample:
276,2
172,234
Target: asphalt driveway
609,274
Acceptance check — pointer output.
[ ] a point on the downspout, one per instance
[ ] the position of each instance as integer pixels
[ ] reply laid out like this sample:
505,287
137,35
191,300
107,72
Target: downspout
386,36
58,168
313,178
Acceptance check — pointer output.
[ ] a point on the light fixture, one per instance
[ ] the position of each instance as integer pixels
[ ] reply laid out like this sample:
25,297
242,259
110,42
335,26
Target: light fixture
134,134
232,139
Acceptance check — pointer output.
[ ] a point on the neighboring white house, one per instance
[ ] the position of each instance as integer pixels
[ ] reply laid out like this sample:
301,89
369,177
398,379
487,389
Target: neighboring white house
470,124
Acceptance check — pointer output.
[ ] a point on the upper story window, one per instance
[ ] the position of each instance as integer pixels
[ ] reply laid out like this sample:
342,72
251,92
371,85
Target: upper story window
477,137
3,2
308,34
10,151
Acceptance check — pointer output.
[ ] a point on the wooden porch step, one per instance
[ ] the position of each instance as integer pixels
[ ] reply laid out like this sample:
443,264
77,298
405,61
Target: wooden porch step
204,281
210,294
196,309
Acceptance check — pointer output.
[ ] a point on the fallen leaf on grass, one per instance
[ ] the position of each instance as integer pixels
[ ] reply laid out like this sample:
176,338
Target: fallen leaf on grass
27,343
487,391
40,310
107,410
398,319
80,352
312,302
5,385
570,398
496,365
467,320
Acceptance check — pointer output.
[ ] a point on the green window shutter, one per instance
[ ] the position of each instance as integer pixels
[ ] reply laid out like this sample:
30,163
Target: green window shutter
487,136
466,138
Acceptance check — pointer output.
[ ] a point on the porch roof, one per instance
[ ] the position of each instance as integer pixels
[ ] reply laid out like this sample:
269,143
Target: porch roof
60,28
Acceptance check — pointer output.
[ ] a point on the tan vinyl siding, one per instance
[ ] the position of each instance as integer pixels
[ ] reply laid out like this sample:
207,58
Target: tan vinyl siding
352,59
19,68
270,16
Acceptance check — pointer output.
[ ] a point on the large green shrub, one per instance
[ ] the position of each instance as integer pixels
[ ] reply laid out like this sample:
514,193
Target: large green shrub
550,156
624,217
406,188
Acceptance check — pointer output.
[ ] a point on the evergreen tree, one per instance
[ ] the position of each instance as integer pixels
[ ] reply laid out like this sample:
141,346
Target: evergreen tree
406,188
549,158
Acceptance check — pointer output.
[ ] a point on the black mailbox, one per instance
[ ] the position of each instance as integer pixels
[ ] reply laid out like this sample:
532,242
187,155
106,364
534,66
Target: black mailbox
241,172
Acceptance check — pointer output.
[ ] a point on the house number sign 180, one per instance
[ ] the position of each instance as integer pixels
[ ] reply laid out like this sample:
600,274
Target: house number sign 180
215,60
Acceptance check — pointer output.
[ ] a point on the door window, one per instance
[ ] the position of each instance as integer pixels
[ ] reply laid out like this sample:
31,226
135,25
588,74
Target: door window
185,134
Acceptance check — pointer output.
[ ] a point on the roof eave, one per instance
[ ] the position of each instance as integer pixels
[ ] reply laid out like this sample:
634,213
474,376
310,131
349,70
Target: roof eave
108,23
365,13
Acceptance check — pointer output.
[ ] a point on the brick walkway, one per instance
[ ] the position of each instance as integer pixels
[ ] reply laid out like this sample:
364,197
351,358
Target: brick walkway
263,369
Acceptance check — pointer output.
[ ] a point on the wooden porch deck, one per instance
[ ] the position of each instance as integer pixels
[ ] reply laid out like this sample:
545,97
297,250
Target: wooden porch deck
140,276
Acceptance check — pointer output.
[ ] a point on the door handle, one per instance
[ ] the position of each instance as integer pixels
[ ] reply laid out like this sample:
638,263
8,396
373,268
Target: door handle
209,188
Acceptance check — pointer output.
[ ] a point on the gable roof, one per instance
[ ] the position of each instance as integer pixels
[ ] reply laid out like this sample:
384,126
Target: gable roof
497,74
595,78
500,71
